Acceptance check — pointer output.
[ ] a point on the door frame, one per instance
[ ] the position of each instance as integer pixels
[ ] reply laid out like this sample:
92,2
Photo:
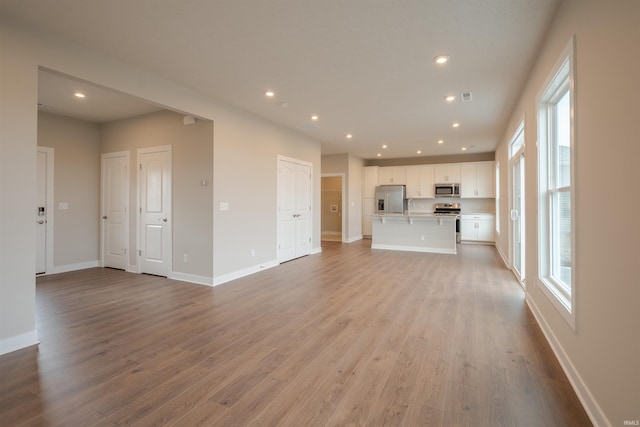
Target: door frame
127,239
49,210
513,157
139,152
343,201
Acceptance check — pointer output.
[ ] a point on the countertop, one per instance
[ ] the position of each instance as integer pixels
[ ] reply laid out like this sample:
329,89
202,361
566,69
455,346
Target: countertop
414,215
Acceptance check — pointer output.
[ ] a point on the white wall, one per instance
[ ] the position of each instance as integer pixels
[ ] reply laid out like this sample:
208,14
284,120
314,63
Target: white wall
601,355
77,183
192,151
244,161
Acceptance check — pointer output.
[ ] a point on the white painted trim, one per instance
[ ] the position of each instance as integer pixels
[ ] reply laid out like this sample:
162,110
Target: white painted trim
504,258
18,342
414,249
595,413
191,278
132,268
219,280
352,239
315,251
75,267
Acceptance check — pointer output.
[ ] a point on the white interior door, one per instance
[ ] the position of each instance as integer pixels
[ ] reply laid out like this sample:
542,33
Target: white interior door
294,209
154,189
43,212
115,208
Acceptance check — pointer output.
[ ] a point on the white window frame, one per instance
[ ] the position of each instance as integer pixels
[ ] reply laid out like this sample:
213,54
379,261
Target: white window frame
561,78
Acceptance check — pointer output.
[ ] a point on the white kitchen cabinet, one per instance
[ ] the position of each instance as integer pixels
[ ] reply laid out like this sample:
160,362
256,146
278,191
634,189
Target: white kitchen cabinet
477,180
370,181
391,175
368,209
477,227
447,172
420,180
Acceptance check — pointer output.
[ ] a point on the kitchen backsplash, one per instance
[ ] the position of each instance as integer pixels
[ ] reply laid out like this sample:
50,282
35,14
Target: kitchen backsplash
467,205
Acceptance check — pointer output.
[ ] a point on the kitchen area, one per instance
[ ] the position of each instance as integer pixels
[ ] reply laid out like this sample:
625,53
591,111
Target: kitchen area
429,208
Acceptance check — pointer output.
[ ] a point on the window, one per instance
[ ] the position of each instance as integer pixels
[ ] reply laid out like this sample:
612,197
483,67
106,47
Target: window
556,148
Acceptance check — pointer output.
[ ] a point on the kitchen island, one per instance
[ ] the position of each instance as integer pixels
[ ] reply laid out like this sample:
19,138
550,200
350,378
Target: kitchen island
415,233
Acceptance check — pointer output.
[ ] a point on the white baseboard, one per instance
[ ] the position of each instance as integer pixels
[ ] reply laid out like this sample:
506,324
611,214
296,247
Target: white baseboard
504,258
315,250
19,341
191,278
132,268
595,413
219,280
353,239
75,267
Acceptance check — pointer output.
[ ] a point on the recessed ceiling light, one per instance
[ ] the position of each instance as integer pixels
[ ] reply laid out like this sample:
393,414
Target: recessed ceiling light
269,93
455,125
441,59
379,154
440,141
449,98
464,148
384,146
349,136
314,117
419,152
79,95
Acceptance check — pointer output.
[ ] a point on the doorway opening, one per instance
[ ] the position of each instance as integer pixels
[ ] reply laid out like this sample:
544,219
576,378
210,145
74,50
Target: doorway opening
331,204
44,211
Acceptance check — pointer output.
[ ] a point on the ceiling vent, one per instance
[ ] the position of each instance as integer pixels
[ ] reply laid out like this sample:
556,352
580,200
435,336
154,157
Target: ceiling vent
465,96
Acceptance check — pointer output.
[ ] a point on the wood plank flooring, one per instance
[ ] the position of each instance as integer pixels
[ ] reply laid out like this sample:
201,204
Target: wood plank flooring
351,336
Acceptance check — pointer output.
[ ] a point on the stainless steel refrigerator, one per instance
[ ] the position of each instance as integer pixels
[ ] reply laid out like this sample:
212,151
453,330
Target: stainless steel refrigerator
390,199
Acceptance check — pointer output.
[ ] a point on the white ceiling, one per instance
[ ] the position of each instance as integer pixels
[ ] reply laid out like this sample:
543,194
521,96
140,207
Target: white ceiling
364,67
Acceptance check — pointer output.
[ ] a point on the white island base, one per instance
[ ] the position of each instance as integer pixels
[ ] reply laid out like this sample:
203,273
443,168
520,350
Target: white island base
415,233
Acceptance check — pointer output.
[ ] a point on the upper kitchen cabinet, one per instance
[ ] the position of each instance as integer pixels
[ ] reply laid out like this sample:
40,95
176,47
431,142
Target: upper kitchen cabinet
447,172
477,180
370,181
420,180
390,175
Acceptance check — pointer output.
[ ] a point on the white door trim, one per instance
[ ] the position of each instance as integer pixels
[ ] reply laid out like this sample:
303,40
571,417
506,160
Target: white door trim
103,157
50,152
141,151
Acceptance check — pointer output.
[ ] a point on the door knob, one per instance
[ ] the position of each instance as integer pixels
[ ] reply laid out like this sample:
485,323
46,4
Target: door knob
105,217
40,222
163,219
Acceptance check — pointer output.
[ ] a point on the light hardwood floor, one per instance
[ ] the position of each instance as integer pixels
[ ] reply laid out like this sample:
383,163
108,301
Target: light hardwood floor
347,337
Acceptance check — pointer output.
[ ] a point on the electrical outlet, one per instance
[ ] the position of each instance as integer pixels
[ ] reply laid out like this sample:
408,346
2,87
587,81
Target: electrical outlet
421,237
253,252
185,258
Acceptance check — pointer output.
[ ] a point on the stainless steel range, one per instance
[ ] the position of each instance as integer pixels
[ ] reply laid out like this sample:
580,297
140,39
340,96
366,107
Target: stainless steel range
450,209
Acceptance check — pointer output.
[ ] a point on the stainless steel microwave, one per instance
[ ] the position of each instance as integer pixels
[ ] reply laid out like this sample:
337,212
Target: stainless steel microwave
447,190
